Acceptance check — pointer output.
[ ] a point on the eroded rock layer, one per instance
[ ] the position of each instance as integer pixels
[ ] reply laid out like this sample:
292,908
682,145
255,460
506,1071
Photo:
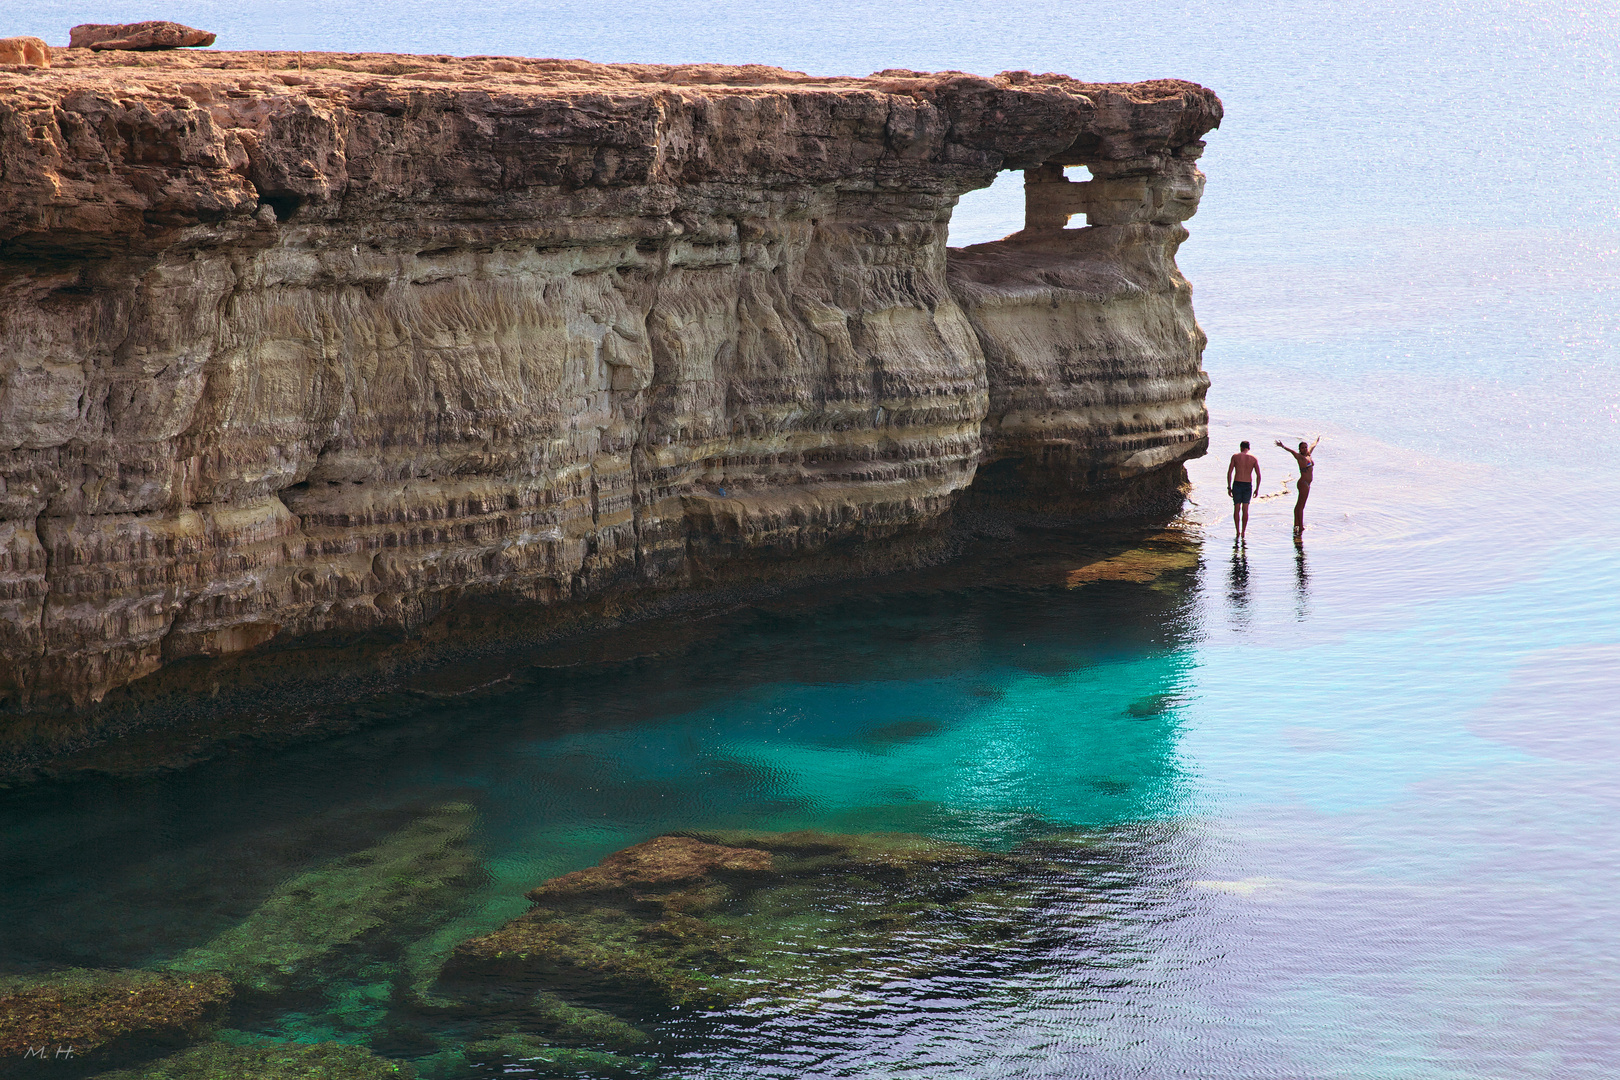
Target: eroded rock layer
301,343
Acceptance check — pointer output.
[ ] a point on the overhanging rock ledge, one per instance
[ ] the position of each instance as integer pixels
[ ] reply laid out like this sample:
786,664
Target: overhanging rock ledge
305,343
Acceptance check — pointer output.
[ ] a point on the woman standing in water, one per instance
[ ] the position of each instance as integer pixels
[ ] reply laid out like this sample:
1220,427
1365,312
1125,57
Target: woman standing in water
1306,467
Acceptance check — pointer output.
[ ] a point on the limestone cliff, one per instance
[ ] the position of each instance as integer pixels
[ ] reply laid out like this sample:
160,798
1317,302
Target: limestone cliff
303,343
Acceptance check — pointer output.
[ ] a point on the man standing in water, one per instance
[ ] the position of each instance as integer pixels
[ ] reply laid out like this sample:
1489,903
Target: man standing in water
1245,467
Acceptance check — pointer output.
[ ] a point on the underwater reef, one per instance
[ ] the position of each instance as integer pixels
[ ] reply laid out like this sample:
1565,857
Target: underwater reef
351,969
101,1015
716,919
269,1060
392,891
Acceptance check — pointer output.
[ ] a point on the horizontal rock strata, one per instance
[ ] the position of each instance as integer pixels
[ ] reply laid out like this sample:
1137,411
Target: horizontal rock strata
137,37
293,344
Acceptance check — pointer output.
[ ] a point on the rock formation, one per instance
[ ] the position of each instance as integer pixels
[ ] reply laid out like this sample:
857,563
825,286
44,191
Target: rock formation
103,1015
26,51
266,1059
722,918
137,37
326,343
335,912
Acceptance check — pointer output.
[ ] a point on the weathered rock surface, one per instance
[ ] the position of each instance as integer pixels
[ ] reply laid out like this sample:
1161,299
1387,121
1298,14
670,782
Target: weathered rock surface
333,343
335,912
263,1059
727,917
519,1054
137,37
29,51
104,1014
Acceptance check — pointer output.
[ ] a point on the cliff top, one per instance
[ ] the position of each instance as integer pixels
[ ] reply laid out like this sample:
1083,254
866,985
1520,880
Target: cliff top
116,150
332,70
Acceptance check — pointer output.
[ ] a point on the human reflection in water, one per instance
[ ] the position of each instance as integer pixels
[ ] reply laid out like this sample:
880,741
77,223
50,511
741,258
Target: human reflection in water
1237,591
1302,580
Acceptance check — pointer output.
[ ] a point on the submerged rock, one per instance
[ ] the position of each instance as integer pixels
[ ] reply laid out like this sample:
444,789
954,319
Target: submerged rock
137,37
664,862
529,1055
719,918
1157,555
270,1061
579,1026
103,1015
393,890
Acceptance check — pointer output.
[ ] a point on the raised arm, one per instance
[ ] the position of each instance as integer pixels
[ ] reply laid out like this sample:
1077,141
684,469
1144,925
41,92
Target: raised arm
1296,454
1313,445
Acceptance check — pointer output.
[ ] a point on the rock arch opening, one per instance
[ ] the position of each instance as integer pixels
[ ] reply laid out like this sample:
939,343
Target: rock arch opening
988,214
1086,418
1053,195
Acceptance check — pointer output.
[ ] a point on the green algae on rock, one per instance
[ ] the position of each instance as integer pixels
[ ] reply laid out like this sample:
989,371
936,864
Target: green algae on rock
531,1056
1154,557
580,1026
267,1060
715,919
392,891
550,1036
102,1015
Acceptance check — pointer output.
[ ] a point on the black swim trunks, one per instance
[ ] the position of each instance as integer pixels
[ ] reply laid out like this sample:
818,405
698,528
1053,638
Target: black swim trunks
1241,490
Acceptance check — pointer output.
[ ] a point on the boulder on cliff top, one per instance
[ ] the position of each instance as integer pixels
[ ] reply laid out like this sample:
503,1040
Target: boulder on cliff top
30,51
137,37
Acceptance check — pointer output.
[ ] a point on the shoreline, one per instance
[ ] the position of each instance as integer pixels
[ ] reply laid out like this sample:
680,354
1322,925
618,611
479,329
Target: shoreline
188,714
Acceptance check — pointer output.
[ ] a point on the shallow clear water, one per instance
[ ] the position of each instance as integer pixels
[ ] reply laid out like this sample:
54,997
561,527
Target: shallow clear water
1360,802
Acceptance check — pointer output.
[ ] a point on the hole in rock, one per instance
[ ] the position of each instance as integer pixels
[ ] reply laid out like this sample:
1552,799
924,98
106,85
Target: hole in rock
989,213
1011,204
284,203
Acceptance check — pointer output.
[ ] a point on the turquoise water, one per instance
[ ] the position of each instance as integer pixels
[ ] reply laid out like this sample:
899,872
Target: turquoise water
1360,799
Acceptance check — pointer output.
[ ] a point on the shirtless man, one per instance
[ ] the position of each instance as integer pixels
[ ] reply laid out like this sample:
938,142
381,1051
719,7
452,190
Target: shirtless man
1245,467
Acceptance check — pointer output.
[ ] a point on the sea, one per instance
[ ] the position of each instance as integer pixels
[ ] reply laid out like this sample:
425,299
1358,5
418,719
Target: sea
1370,813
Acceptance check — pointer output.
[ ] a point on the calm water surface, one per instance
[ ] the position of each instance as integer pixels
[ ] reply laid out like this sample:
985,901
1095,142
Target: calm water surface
1362,800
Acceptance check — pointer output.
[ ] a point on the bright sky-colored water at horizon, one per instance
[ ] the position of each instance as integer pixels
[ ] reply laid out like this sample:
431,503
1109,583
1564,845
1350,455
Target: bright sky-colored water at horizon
1376,823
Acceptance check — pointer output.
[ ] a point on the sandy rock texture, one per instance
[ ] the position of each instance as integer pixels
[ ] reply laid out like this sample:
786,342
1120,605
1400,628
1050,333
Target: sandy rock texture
137,37
306,343
25,51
